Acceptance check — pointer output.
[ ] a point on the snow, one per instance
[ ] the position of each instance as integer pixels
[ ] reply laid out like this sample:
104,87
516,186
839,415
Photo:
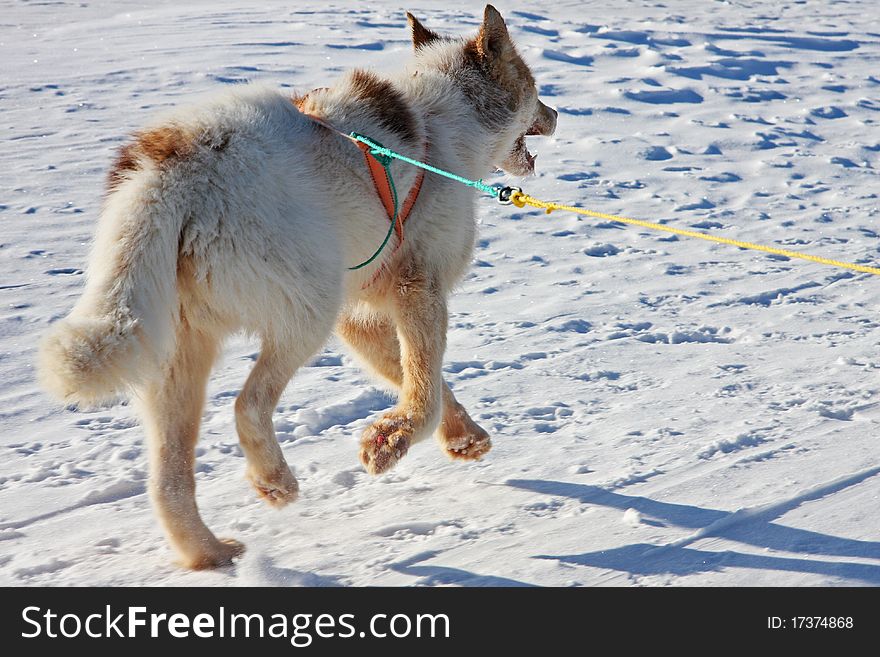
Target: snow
632,517
722,402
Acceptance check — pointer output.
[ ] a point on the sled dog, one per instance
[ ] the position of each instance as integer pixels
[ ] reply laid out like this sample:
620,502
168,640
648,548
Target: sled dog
246,213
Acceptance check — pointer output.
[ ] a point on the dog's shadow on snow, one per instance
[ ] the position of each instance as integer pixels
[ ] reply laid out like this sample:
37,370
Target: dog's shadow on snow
260,570
752,528
443,575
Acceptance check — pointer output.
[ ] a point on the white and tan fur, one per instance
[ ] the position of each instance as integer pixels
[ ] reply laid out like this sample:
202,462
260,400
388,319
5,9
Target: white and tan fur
243,214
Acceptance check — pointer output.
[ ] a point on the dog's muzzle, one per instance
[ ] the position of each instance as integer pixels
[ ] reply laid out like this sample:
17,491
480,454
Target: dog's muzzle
545,123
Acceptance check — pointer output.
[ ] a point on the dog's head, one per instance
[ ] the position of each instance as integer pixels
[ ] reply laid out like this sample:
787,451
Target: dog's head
497,82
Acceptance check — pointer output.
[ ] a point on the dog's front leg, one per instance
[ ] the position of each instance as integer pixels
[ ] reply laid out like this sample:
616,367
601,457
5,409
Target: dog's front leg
373,337
418,307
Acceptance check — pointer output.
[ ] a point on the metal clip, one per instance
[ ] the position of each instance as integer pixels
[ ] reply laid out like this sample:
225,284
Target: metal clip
505,194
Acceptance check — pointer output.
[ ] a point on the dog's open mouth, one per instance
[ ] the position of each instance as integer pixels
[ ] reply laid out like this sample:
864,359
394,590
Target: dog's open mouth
520,162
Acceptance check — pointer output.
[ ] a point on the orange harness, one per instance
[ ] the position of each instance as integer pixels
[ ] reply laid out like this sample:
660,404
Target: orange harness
381,182
383,188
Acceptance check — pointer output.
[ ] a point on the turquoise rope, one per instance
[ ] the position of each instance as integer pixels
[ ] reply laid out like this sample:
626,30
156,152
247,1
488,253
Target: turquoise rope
384,155
377,148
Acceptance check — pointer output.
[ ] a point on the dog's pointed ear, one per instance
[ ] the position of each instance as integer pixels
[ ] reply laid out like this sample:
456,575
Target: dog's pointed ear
493,38
421,35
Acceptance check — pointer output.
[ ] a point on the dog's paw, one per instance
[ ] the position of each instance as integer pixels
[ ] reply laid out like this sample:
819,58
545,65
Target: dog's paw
462,438
469,447
219,554
277,488
385,442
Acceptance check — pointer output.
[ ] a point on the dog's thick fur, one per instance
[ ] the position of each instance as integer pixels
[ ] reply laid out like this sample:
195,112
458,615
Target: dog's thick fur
244,214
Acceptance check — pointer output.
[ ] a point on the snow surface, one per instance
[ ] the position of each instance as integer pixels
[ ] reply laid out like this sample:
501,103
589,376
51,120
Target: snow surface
722,402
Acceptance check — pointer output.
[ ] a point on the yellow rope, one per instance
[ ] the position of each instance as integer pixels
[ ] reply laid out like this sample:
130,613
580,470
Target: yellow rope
520,200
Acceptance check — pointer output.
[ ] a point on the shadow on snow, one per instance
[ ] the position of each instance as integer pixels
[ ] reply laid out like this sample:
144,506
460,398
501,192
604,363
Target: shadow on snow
750,527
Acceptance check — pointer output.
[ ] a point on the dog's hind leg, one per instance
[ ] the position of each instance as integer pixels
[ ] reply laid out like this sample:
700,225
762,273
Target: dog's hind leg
267,469
374,338
172,410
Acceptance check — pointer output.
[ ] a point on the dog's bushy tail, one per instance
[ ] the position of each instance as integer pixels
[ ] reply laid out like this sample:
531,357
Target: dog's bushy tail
121,332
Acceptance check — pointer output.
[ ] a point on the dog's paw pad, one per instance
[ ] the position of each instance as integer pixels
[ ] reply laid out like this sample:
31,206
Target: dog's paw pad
461,437
384,444
277,489
469,447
